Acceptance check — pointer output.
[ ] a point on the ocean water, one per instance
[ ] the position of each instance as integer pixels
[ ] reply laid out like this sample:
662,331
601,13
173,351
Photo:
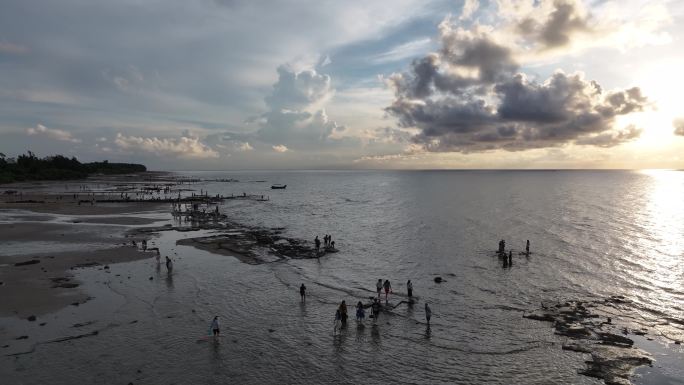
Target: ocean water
593,234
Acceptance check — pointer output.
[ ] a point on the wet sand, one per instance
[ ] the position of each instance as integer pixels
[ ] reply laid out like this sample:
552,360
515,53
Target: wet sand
49,285
96,235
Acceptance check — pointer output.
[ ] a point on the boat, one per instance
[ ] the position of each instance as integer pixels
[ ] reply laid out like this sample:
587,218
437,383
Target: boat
278,186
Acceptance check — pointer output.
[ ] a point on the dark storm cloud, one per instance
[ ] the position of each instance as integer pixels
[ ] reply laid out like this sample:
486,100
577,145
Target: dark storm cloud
470,97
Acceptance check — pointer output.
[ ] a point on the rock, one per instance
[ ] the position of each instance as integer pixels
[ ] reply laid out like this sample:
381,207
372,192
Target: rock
42,323
678,342
106,267
22,338
271,330
614,339
540,316
31,318
575,347
66,285
438,280
152,279
30,262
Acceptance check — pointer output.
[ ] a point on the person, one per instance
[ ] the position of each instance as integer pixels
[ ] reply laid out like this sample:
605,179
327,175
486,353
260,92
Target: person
317,242
428,313
409,287
510,258
375,310
388,288
360,313
527,247
332,245
302,292
378,286
133,242
343,313
501,247
144,245
215,327
169,264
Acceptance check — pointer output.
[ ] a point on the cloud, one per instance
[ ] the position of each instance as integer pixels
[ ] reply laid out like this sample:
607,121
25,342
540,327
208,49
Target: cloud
243,146
296,116
612,138
280,148
295,90
679,126
470,96
469,8
402,51
52,133
183,147
553,24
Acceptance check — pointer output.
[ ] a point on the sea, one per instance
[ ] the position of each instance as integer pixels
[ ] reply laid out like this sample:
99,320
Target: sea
592,234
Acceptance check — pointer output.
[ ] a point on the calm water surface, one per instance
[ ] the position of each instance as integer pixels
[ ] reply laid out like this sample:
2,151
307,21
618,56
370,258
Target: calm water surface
593,234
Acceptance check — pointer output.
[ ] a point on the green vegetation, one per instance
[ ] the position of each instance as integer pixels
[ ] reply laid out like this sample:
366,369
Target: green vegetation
57,167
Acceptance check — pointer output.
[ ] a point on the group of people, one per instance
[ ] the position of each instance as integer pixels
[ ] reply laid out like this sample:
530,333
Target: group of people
376,307
328,243
508,259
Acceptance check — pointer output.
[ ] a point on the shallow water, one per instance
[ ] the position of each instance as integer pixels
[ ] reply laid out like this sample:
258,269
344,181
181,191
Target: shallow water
593,234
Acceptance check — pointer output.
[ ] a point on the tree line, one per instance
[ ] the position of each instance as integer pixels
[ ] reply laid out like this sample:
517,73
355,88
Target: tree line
57,167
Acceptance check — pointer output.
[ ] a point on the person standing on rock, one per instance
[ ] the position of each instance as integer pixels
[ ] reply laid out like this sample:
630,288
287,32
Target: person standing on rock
169,264
317,243
409,287
388,288
378,286
302,292
527,247
428,313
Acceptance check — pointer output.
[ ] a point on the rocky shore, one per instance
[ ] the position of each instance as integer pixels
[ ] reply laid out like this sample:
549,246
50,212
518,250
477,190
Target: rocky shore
601,329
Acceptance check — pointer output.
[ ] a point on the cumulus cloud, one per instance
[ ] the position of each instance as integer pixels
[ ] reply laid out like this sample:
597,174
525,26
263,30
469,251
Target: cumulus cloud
280,148
470,96
52,133
183,147
296,116
552,24
243,146
678,126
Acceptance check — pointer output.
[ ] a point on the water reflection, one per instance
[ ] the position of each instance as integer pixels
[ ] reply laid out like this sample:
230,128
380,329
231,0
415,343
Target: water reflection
169,280
663,218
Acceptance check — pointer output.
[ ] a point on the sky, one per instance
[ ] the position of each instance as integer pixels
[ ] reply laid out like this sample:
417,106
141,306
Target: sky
318,84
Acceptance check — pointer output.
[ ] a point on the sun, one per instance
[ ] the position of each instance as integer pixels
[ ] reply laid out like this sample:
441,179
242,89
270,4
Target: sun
661,82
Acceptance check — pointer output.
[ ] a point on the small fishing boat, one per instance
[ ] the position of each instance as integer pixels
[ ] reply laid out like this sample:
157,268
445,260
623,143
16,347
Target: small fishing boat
278,186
